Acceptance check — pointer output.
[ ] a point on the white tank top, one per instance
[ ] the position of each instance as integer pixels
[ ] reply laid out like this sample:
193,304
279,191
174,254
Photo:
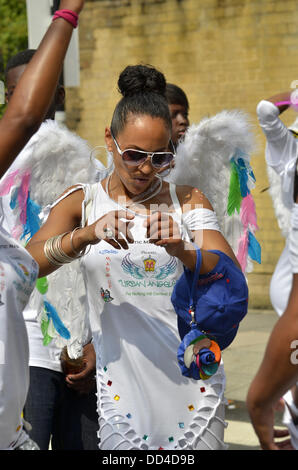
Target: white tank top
144,402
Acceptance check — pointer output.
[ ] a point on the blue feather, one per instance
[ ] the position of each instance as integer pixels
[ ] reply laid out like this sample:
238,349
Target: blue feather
58,324
33,222
243,177
254,248
251,174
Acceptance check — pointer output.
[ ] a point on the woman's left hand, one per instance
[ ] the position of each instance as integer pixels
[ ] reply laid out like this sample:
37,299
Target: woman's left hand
162,230
84,382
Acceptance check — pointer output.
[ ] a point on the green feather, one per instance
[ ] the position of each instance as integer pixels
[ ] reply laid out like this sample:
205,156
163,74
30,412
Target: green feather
42,285
234,197
44,329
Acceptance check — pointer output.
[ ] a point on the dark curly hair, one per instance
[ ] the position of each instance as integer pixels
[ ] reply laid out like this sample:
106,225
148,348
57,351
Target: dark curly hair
143,90
175,95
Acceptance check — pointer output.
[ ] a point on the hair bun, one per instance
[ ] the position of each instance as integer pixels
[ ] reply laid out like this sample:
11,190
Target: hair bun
141,79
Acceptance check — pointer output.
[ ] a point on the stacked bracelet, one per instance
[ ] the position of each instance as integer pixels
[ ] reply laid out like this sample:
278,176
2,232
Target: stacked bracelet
54,253
67,15
78,255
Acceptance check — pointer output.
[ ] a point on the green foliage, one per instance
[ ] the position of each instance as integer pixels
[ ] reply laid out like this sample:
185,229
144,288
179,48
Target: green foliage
13,32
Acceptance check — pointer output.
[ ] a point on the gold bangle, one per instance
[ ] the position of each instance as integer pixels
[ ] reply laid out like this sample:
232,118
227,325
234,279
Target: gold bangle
47,249
56,255
78,254
53,251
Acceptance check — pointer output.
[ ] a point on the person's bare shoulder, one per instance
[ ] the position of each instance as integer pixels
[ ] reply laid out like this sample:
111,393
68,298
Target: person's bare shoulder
192,198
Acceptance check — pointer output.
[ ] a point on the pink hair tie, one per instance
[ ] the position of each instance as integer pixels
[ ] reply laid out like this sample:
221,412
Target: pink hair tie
67,15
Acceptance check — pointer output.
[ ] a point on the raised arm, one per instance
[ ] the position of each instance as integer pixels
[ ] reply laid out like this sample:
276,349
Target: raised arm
281,100
34,92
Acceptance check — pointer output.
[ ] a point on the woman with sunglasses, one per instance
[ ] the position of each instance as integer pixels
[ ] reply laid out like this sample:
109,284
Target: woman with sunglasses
134,231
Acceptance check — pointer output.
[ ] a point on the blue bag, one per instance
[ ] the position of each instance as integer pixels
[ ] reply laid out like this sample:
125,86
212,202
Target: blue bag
209,306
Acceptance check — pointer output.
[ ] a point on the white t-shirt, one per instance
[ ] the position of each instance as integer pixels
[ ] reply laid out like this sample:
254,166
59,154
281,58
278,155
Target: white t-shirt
144,402
18,274
281,155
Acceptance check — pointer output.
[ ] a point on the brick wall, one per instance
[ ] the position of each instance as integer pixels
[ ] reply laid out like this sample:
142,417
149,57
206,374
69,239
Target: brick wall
224,53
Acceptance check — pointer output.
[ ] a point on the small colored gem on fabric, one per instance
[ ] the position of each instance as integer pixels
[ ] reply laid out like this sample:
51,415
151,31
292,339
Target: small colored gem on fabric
116,397
181,425
109,383
161,448
191,407
202,389
128,415
105,369
145,437
228,280
171,439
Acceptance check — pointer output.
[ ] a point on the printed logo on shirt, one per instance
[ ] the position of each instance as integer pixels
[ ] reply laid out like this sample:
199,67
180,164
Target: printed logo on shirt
108,252
149,269
28,276
105,294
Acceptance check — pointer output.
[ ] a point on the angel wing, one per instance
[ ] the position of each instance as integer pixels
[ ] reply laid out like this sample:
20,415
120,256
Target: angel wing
166,269
128,266
215,157
53,160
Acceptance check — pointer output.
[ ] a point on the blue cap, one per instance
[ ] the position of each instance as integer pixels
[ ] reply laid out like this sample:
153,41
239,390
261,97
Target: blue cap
218,300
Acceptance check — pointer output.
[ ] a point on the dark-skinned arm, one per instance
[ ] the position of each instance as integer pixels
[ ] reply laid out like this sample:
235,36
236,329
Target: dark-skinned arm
279,98
277,373
34,92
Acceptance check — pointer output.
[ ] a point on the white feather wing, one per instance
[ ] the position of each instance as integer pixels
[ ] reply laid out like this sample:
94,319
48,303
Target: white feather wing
56,159
203,161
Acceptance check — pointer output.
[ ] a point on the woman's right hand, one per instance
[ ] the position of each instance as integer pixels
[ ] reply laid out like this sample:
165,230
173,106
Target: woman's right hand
113,229
74,5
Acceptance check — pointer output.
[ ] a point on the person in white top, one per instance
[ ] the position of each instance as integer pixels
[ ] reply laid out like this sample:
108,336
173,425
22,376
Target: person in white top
21,120
281,156
61,410
137,230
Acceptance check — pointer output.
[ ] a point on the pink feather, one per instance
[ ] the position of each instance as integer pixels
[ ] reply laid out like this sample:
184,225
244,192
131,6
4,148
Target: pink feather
23,196
243,250
248,212
17,232
8,182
